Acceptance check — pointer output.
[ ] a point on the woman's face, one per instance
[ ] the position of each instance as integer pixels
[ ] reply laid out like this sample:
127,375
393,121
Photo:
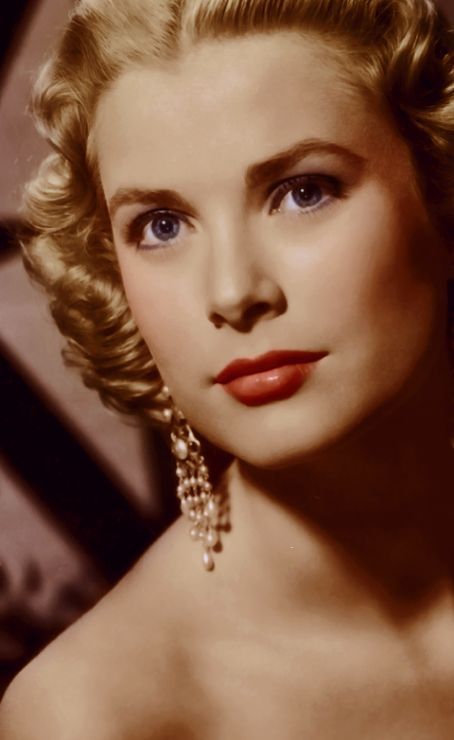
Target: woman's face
260,202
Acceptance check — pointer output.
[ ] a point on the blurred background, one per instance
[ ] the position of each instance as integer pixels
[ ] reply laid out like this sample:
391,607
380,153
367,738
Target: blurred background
82,493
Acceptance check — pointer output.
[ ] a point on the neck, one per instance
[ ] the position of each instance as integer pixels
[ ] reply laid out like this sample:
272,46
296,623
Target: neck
370,518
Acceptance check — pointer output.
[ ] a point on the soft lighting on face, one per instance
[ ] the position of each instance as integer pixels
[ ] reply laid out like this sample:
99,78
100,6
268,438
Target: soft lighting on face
257,220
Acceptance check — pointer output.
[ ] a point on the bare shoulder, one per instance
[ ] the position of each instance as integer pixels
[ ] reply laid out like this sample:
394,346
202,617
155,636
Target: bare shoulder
38,704
119,669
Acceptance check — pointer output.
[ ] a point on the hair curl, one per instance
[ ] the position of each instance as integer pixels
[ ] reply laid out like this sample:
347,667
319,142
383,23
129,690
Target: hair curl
398,50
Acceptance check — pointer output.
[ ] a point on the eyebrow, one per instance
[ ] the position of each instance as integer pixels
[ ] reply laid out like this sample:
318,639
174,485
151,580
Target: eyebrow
166,199
280,163
270,169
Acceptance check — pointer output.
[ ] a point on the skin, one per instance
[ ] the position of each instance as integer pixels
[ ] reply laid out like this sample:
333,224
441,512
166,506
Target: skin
330,612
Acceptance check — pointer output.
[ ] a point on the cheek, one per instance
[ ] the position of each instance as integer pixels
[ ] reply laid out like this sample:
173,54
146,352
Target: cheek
372,289
394,291
162,311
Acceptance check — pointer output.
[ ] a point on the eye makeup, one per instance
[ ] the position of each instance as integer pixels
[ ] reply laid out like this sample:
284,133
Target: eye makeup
166,223
133,232
305,185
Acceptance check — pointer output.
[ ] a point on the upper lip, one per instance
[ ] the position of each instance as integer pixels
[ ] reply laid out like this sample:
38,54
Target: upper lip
268,361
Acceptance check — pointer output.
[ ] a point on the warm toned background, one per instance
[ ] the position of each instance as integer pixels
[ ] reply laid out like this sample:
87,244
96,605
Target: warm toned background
81,493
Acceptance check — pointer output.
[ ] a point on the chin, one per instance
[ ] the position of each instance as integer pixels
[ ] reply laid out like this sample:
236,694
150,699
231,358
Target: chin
296,437
280,447
299,430
284,456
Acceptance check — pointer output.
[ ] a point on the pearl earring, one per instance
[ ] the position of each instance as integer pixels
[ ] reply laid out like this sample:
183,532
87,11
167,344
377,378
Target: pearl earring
198,502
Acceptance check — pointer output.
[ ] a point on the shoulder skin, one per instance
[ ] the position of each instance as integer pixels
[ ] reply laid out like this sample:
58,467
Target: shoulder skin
40,704
113,672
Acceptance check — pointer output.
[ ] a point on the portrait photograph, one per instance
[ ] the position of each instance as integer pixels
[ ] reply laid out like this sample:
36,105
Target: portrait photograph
227,370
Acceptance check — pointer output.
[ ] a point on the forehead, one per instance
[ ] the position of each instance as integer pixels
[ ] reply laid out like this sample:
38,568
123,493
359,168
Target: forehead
227,103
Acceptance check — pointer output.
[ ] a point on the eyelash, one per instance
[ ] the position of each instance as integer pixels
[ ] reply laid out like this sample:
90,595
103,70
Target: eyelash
327,183
331,185
135,229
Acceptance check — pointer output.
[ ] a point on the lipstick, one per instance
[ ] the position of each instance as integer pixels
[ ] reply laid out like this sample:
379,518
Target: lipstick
274,376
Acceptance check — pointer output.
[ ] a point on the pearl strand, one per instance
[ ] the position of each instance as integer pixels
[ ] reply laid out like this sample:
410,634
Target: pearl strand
195,492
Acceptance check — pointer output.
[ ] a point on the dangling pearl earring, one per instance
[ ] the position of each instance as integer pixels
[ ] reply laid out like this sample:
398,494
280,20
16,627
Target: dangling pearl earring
198,502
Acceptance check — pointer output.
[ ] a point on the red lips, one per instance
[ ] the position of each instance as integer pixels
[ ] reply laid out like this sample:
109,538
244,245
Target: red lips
271,377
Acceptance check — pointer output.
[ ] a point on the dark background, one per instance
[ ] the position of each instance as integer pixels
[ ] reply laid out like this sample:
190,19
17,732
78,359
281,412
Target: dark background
82,494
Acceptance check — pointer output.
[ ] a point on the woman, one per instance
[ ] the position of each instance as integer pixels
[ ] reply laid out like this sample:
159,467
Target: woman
246,224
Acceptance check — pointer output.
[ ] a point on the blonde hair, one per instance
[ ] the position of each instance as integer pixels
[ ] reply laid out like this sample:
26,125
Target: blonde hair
400,51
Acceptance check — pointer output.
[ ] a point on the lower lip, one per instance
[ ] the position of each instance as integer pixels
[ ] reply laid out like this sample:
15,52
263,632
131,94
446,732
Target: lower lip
270,385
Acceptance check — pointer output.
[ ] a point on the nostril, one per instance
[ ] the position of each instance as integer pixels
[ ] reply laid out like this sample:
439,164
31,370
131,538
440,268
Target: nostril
216,320
256,311
242,309
248,317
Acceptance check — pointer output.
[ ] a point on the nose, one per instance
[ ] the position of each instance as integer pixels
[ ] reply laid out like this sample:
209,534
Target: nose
241,288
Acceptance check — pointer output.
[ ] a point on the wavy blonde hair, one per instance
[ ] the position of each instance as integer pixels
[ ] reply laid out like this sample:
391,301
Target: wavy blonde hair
400,51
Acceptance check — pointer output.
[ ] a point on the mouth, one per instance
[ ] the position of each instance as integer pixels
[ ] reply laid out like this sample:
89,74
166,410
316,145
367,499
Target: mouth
273,376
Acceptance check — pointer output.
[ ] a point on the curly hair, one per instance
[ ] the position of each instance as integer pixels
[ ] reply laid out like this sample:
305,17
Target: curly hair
397,51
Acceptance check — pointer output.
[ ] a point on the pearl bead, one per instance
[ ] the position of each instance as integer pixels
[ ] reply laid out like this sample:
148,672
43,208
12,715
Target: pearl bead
211,508
180,449
211,538
167,415
198,502
207,559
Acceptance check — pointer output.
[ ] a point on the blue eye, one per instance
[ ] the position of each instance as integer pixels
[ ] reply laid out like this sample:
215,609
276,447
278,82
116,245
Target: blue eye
305,194
157,229
165,227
